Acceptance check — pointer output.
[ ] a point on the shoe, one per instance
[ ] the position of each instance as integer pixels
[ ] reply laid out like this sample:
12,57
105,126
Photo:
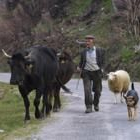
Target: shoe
96,108
88,110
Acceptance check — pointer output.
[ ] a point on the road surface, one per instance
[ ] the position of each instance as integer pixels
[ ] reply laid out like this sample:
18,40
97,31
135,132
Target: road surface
71,123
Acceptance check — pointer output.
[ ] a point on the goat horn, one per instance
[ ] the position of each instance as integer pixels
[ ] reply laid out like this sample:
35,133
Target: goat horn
7,55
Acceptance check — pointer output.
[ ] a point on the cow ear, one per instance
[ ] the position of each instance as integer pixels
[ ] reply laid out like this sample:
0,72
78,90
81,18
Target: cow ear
29,65
9,61
28,62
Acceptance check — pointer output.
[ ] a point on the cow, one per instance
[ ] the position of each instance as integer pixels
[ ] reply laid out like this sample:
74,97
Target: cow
34,68
65,72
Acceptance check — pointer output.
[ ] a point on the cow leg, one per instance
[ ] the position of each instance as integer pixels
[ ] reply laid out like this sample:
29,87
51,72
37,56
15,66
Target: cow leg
46,106
57,102
49,102
36,104
43,107
24,95
27,105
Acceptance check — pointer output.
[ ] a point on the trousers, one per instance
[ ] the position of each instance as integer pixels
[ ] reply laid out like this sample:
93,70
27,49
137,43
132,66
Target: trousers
92,81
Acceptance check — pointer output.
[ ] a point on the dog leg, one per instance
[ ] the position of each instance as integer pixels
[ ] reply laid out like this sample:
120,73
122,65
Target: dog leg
128,109
135,113
129,114
134,117
132,113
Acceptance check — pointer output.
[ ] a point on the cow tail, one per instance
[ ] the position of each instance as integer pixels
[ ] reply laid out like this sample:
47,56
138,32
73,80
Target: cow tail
63,86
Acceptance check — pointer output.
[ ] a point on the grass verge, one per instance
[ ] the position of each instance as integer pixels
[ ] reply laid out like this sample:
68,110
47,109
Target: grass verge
12,114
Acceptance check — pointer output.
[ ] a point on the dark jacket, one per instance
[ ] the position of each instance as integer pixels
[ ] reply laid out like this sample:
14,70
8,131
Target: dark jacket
100,53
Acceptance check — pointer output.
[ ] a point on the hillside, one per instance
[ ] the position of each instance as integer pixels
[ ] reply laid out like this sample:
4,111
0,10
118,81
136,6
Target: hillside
59,24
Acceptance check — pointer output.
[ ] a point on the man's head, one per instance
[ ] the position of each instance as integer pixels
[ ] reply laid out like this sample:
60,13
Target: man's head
89,40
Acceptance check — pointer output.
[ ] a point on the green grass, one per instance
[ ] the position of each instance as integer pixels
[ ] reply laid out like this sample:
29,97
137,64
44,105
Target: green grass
78,6
107,4
127,55
101,21
12,113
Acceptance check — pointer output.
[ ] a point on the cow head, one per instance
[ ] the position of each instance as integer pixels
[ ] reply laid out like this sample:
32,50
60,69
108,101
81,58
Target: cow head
20,66
64,56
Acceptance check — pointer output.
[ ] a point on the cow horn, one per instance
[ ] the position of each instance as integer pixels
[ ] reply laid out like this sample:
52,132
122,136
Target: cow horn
8,56
27,56
58,54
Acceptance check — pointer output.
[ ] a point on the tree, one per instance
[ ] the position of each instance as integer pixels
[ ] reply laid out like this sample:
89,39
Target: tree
133,18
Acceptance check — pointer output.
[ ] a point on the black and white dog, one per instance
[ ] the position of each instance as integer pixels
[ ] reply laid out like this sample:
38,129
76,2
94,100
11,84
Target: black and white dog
132,99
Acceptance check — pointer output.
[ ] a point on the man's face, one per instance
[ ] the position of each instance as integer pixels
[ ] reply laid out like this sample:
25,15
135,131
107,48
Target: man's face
89,42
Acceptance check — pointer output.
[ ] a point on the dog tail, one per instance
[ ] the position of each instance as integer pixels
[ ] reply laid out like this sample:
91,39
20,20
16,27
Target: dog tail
132,86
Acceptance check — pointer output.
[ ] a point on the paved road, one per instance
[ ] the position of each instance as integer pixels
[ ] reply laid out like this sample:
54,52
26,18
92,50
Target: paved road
71,123
110,123
5,77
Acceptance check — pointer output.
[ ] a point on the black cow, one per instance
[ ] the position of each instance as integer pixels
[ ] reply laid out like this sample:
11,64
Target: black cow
65,72
34,68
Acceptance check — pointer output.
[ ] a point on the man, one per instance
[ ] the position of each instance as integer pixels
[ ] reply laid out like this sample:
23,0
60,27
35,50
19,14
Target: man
91,63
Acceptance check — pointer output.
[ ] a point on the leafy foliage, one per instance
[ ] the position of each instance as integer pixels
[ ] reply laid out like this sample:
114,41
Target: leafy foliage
58,23
77,7
126,55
